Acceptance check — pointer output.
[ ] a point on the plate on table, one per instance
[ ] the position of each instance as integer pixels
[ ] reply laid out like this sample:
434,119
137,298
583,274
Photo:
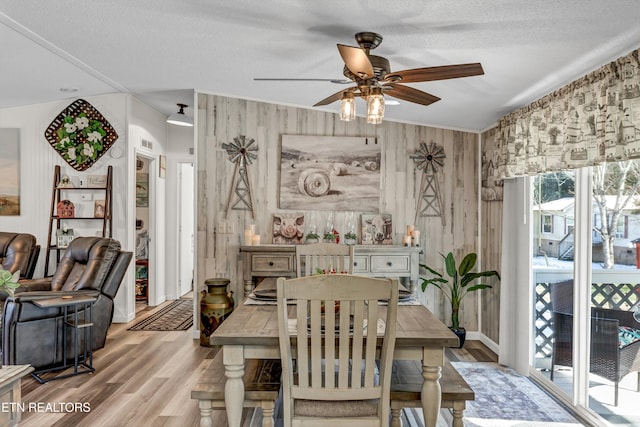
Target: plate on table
265,294
337,323
404,294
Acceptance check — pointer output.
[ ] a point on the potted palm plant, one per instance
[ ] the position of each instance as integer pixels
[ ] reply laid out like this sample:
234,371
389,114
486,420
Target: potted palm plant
458,285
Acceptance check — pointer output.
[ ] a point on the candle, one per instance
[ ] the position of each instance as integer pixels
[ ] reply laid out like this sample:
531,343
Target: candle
255,240
415,238
410,229
252,227
406,240
248,234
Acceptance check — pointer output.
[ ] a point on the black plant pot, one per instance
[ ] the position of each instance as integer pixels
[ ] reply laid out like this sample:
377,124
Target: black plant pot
461,333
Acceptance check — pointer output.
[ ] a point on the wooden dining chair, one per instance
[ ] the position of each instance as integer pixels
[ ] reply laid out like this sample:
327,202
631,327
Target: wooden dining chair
335,337
319,258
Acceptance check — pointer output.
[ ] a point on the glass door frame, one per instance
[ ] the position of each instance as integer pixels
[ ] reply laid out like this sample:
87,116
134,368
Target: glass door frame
579,399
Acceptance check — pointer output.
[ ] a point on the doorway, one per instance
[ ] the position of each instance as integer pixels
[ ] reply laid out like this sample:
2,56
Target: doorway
143,232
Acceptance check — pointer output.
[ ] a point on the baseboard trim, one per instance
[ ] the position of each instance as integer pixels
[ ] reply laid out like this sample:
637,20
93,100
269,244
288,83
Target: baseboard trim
119,318
479,336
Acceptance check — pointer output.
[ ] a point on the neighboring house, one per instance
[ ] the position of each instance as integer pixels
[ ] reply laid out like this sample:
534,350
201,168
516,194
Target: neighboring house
553,224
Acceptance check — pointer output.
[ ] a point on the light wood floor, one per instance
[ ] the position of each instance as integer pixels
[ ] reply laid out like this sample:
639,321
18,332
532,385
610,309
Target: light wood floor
144,379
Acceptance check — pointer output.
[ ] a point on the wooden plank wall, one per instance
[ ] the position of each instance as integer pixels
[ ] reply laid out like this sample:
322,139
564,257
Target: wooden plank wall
220,119
491,250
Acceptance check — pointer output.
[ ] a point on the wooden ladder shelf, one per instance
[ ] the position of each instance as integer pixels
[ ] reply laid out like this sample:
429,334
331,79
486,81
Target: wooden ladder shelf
58,221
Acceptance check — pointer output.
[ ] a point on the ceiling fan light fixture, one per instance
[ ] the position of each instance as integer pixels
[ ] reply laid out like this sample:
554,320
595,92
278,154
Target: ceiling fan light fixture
347,107
180,118
375,106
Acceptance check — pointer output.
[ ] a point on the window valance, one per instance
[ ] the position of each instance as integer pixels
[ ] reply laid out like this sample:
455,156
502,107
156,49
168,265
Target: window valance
589,121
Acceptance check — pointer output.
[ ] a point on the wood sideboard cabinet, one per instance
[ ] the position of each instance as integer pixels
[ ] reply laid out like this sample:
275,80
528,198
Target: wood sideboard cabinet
368,260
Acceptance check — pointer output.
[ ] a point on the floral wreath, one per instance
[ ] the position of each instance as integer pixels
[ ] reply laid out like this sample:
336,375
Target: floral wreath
80,138
80,134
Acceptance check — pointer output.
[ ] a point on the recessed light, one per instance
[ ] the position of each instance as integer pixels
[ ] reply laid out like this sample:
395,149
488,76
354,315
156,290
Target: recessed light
68,89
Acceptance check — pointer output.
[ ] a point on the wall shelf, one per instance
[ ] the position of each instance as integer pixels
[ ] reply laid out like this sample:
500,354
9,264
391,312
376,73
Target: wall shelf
57,222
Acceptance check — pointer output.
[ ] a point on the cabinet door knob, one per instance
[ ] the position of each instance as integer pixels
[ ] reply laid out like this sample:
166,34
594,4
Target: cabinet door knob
271,263
389,263
355,264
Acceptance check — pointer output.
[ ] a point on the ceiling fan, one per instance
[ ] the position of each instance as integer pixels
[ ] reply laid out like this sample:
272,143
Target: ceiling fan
373,79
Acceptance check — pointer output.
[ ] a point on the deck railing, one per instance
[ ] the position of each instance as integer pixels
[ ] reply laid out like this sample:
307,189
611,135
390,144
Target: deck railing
614,289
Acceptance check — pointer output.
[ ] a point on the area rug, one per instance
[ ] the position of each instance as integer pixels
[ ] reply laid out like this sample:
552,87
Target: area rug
177,316
503,399
502,394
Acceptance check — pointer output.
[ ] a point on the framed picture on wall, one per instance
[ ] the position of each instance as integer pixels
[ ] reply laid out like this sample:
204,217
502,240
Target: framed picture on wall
10,172
142,189
330,173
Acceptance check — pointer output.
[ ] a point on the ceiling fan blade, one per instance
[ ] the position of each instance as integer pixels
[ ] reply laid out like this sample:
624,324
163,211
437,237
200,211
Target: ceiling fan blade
428,74
338,81
356,61
333,98
410,94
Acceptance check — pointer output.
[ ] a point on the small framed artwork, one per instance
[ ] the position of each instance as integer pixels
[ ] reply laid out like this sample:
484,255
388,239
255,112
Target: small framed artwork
288,229
142,189
377,229
10,172
162,170
99,208
97,181
64,237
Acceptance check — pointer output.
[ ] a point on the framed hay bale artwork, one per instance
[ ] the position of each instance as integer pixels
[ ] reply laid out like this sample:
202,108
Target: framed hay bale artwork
329,173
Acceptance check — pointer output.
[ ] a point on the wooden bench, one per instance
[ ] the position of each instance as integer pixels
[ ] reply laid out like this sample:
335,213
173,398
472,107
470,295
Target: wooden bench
261,388
406,385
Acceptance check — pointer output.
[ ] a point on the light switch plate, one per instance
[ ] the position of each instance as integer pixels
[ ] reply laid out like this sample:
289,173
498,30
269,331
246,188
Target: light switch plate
225,227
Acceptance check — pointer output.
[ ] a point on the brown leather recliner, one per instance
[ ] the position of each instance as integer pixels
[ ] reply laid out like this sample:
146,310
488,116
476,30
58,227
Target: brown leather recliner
19,251
32,335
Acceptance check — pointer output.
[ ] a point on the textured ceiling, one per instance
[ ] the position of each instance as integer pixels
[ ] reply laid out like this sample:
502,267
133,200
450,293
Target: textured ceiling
162,50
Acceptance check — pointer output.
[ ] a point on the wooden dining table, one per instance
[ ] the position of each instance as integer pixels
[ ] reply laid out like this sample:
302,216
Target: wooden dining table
251,332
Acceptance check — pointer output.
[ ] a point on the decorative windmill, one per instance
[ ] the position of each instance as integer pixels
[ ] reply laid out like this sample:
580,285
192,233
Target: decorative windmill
429,158
241,152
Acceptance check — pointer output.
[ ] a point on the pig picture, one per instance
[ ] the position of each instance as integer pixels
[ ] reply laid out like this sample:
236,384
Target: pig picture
288,229
377,229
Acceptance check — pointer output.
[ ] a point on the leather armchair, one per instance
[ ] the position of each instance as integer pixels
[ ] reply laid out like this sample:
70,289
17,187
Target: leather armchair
92,266
19,251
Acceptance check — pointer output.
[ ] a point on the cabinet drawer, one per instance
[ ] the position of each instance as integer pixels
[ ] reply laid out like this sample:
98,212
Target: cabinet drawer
270,263
360,264
390,264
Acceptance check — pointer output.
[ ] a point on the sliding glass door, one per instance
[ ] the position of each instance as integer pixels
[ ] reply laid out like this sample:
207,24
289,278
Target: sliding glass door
553,247
586,286
613,383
